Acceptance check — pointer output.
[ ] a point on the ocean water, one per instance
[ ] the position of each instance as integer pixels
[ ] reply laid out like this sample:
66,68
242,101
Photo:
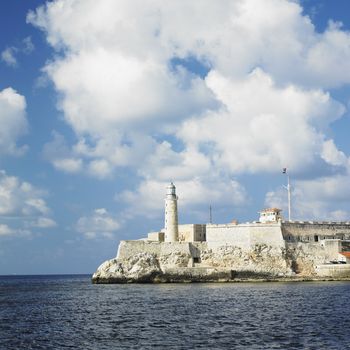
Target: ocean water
61,312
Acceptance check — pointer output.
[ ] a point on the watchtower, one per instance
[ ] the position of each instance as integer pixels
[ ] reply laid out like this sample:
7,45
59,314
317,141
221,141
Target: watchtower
270,215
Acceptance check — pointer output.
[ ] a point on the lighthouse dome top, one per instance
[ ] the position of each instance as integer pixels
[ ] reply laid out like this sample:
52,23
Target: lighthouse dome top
171,189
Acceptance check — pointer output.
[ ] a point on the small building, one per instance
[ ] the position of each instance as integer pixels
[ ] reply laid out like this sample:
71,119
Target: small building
270,215
156,236
192,233
187,233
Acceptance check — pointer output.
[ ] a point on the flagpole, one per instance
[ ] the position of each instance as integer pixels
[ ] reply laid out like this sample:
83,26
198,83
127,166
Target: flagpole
288,189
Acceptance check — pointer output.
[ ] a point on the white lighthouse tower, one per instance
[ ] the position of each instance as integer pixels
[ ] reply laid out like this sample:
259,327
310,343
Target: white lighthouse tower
171,221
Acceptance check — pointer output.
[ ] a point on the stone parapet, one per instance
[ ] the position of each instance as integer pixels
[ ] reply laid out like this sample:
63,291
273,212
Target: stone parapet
333,270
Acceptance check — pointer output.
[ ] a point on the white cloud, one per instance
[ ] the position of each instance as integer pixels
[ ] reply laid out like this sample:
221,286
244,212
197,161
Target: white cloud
19,198
35,205
110,82
8,56
43,222
194,195
165,164
13,121
69,165
324,198
135,90
328,58
332,155
5,230
27,45
99,156
19,202
262,126
262,106
100,223
100,168
232,36
59,154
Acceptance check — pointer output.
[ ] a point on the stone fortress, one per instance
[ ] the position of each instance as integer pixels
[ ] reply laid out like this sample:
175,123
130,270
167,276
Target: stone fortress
268,249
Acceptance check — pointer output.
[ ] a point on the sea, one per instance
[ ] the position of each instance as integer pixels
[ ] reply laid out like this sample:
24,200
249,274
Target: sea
69,312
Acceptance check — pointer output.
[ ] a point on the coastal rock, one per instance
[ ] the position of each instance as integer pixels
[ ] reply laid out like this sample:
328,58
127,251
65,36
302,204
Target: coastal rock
304,259
153,262
142,267
177,259
226,263
261,259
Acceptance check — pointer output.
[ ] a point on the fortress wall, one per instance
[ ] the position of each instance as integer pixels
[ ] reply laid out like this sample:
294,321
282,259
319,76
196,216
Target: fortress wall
332,247
306,231
334,271
186,233
179,247
236,235
245,236
128,249
315,252
269,234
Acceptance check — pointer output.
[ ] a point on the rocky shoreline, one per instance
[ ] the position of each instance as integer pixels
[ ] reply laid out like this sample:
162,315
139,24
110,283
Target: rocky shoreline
237,280
168,278
148,268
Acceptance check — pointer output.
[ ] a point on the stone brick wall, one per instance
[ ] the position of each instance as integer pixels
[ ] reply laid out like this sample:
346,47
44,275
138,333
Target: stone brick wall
314,232
128,249
192,233
245,236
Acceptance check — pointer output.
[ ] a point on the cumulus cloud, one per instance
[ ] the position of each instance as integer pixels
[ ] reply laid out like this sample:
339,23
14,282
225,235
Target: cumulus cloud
13,121
99,156
5,230
9,54
27,45
100,224
135,90
69,165
24,202
266,125
233,36
324,198
43,222
195,195
263,101
332,155
166,164
57,151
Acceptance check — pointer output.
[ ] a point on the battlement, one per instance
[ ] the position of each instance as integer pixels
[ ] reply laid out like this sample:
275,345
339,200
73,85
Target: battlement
311,231
337,223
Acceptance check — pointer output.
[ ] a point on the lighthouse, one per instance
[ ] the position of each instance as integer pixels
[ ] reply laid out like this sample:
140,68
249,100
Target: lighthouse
171,221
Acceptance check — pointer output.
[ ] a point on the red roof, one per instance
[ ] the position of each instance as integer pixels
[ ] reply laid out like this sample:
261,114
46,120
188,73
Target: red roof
275,210
346,254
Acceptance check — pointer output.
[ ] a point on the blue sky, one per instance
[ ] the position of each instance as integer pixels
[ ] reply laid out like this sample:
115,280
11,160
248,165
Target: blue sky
103,103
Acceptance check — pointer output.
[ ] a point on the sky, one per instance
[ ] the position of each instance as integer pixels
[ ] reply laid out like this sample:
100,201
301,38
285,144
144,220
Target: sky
103,103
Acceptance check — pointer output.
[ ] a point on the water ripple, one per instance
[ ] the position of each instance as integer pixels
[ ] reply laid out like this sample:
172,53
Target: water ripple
56,312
